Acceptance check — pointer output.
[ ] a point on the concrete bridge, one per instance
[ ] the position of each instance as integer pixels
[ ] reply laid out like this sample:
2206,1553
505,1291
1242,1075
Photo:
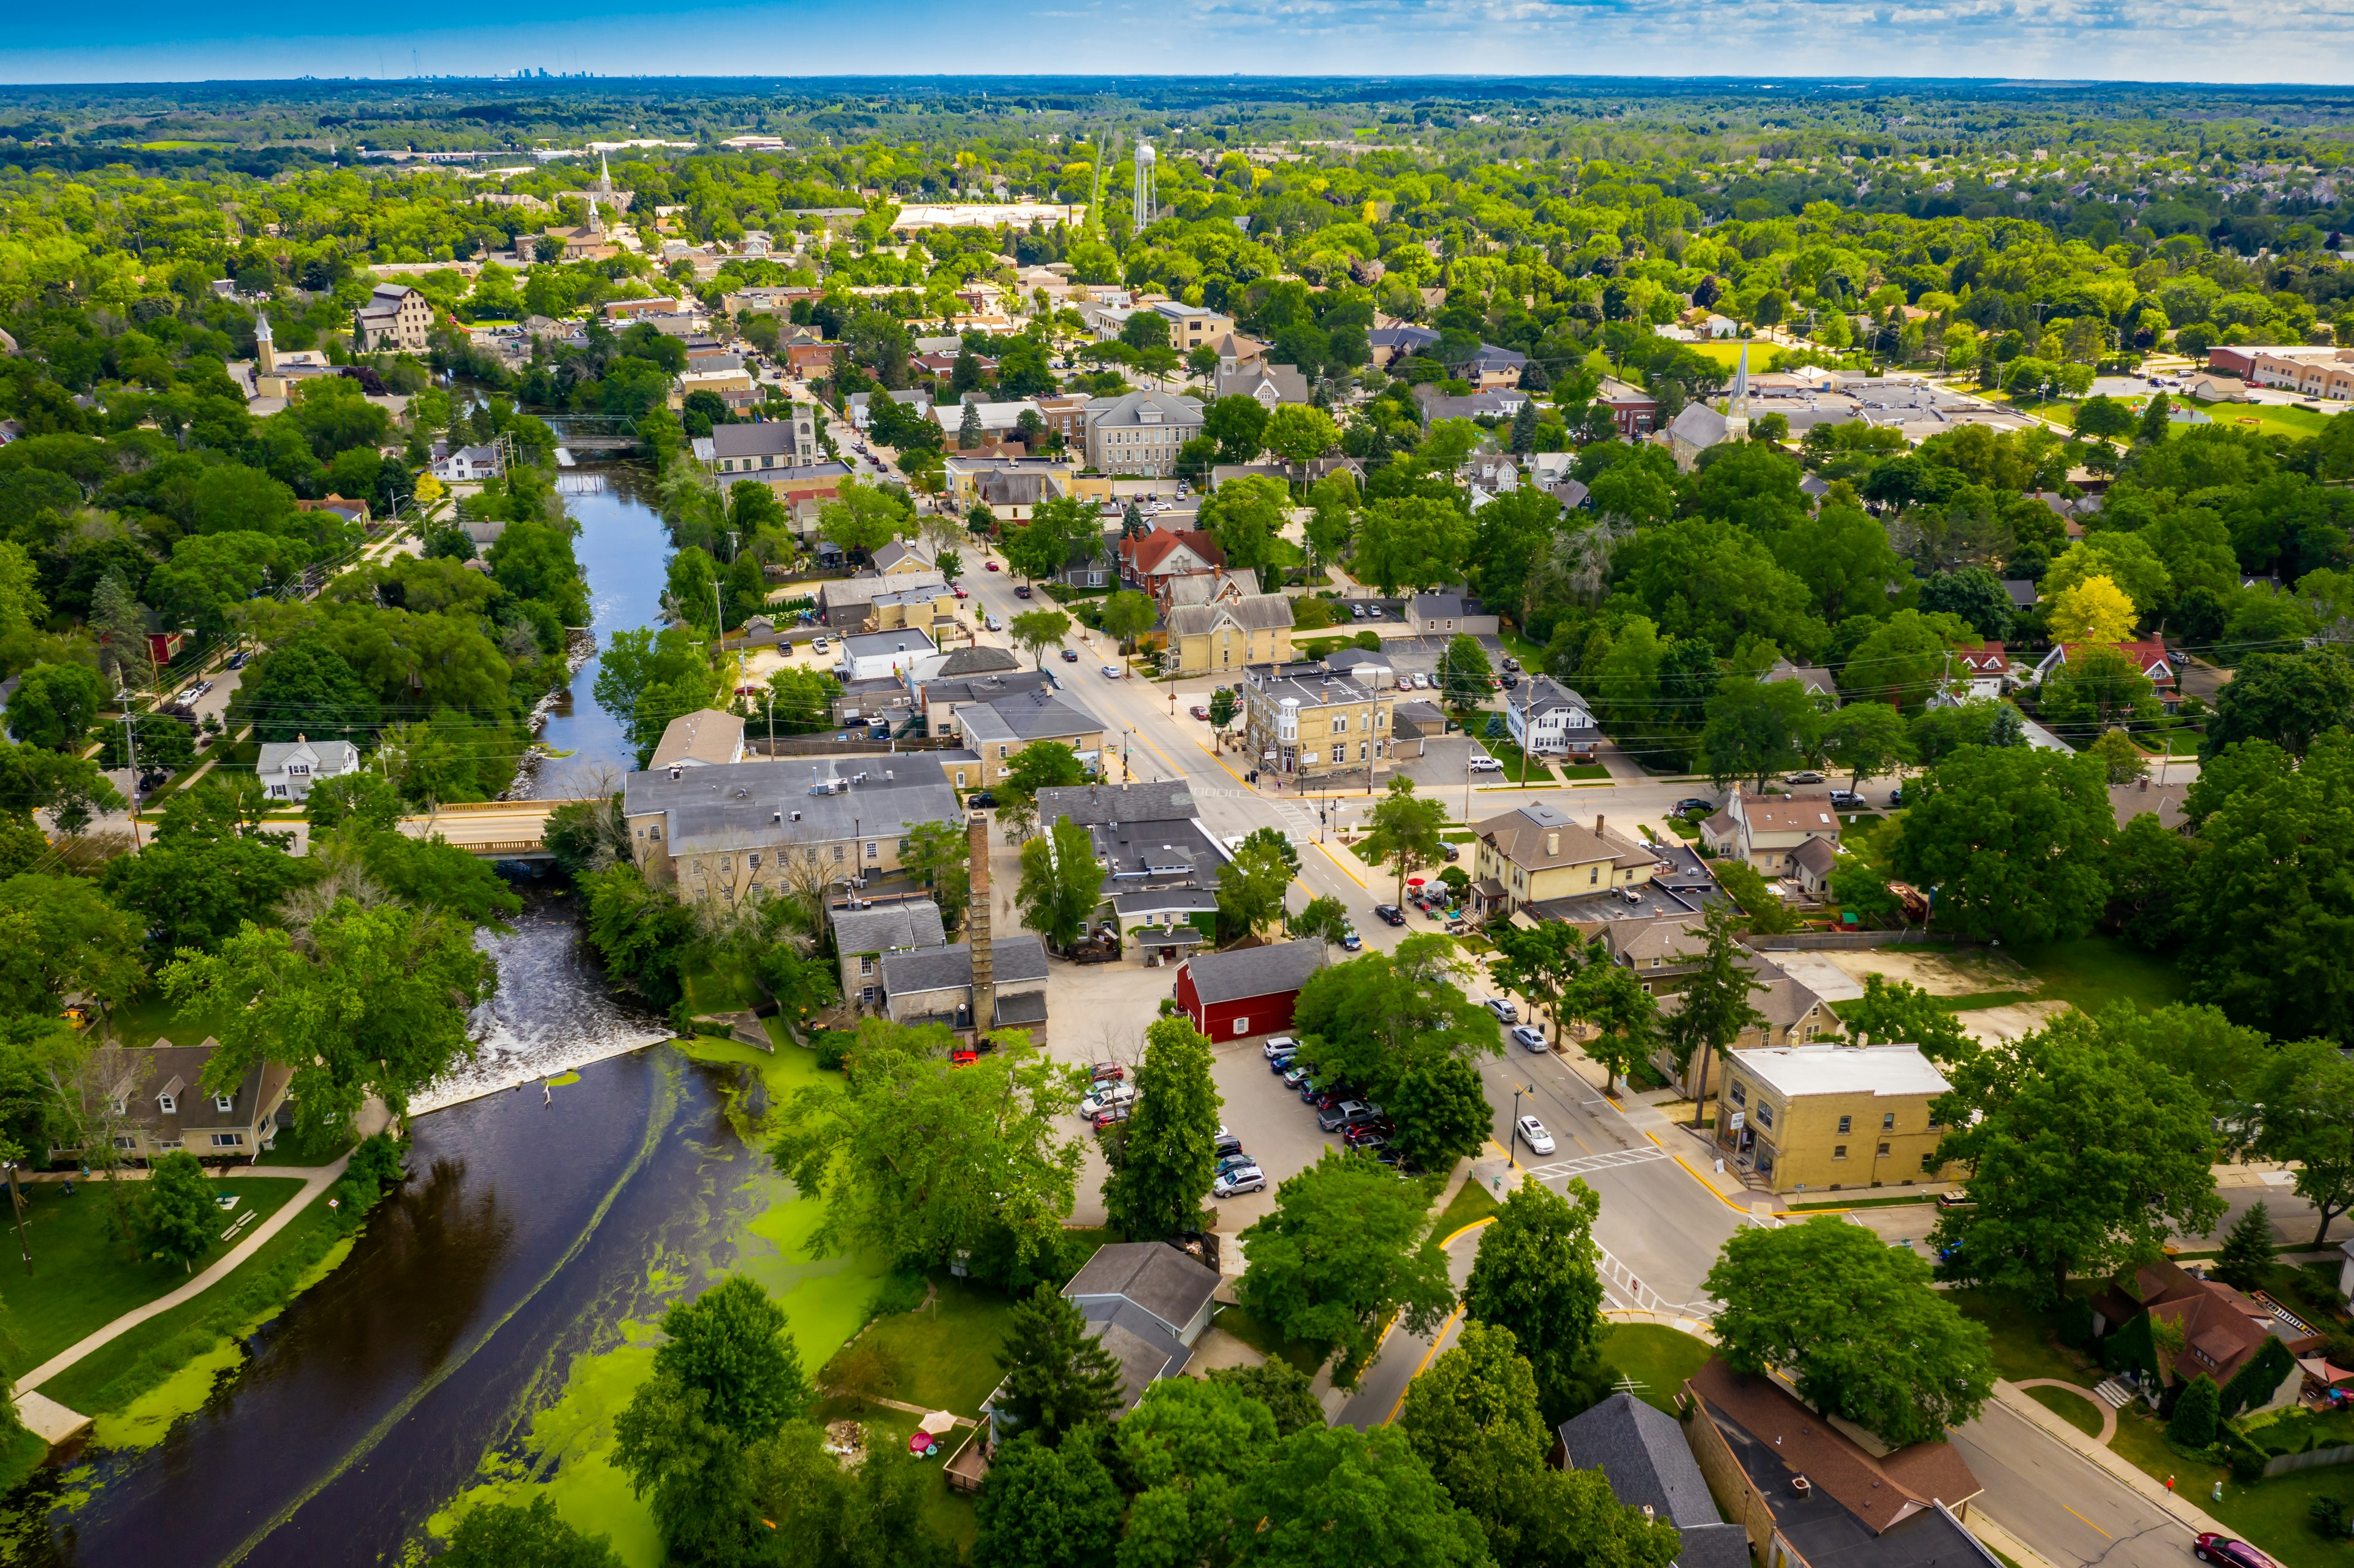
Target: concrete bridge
495,830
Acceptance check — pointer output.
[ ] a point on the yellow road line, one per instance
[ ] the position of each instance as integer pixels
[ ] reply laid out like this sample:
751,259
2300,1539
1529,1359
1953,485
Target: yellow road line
1436,1340
2105,1534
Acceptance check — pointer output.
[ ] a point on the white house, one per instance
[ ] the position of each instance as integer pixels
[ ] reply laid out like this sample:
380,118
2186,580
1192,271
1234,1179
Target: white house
1984,668
1551,720
287,772
873,655
469,463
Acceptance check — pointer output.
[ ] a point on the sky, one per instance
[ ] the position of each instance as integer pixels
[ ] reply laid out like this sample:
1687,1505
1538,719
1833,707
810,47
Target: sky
2310,41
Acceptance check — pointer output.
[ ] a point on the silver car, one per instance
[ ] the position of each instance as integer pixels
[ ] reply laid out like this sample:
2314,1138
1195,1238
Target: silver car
1235,1183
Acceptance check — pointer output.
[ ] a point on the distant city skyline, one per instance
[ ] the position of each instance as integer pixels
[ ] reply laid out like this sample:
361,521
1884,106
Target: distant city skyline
2074,41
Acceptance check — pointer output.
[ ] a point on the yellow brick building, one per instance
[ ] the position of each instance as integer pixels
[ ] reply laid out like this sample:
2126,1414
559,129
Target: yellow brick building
1829,1118
1307,728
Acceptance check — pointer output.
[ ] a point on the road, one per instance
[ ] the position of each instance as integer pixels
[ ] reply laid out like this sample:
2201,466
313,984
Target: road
2070,1510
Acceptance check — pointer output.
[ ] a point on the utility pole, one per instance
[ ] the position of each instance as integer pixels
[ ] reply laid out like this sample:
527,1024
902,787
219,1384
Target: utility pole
131,748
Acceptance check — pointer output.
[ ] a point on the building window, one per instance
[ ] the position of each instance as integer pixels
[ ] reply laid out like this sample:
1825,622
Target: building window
1242,1026
1593,875
167,1105
866,967
228,1141
837,853
1765,1114
1839,1151
870,848
126,1143
1737,1092
1888,1124
1846,1124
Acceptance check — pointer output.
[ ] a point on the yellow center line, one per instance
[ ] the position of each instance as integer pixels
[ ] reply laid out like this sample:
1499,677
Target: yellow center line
1440,1338
2104,1534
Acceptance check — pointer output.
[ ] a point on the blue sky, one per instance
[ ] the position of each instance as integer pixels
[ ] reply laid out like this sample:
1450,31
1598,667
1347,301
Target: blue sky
2204,40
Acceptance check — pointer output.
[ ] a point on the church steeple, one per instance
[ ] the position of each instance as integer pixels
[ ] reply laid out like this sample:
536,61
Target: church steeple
265,347
1737,408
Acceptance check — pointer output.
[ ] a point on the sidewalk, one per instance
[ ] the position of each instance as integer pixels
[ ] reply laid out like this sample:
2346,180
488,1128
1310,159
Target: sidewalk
316,1180
2183,1509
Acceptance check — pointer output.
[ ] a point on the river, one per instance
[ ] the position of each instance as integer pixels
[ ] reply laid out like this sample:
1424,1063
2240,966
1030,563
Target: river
621,548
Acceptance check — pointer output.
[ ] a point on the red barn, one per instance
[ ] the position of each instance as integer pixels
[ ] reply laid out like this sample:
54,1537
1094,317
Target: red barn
1249,992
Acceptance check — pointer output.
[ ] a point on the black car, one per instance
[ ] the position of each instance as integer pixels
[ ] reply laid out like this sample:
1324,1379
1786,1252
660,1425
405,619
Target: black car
1022,591
1450,853
1228,1144
1390,913
1326,1099
981,798
1690,803
1511,682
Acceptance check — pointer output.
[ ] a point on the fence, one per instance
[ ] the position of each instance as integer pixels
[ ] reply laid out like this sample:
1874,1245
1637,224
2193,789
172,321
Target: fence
2312,1460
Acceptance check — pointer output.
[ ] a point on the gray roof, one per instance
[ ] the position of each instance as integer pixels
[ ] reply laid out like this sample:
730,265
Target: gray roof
1699,424
1026,716
985,688
1252,612
1163,801
1356,659
865,587
1016,961
770,438
1450,606
1185,900
889,928
735,805
1145,1351
1154,1276
1270,970
331,753
1125,413
978,660
881,644
1545,694
1642,1449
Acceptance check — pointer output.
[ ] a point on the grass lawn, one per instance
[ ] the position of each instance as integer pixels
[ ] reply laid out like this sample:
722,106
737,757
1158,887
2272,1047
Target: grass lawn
949,1511
83,1277
1658,1359
2270,1513
1869,1203
1473,1203
150,1015
2023,1342
942,1356
113,1375
1518,769
2266,418
2095,972
292,1149
2076,1409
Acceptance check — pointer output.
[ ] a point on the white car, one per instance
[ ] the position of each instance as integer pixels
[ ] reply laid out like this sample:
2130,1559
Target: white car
1483,763
992,621
1533,1133
1505,1010
1106,1096
1235,1182
1528,1038
1279,1045
1113,672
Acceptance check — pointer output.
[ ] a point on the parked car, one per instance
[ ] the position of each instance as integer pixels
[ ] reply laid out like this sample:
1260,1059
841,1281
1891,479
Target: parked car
1390,913
1373,613
1356,612
1280,1045
1533,1133
1346,1113
1693,804
1803,776
1283,1061
1352,942
1528,1038
1449,852
1235,1162
1113,672
1227,1143
1022,590
1511,665
981,798
1508,682
1108,1095
2209,1547
1070,655
1107,1072
2174,656
1380,1127
1197,710
1960,1198
992,621
236,660
1896,796
1235,1183
819,646
1504,1008
1846,800
1109,1114
1327,1095
1482,763
1295,1075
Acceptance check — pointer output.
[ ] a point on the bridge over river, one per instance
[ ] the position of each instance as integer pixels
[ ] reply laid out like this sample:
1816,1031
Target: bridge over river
495,830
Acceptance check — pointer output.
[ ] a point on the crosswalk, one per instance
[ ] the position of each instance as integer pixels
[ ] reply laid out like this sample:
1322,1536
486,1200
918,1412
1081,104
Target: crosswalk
1587,1163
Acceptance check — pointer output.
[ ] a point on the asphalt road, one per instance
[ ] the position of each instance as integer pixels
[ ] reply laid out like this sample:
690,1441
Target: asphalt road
2072,1511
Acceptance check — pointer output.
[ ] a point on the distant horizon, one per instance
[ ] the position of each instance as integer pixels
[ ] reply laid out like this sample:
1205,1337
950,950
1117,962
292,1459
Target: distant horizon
1761,80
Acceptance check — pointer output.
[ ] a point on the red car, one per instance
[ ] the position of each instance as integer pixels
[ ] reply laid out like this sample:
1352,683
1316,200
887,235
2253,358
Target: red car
2230,1553
988,565
963,1056
1199,712
962,594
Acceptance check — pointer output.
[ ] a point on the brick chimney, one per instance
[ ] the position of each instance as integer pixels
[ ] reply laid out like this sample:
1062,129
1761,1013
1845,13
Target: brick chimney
976,927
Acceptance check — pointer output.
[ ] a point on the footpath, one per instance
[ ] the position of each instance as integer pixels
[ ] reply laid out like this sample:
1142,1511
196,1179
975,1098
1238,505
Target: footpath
53,1422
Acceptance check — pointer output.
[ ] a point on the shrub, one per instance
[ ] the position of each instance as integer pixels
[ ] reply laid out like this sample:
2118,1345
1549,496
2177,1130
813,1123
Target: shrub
2195,1414
902,1292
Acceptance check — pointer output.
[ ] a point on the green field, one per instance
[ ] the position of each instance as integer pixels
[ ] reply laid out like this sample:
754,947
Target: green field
1472,1204
2097,972
2076,1409
1658,1359
942,1355
84,1273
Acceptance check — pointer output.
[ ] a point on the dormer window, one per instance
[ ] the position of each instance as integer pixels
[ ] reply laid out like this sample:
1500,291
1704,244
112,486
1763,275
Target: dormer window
169,1105
223,1103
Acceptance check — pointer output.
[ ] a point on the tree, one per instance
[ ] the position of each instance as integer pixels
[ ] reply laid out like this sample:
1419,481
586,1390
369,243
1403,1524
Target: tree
2097,687
1398,1027
1539,962
1855,1324
1413,542
2309,1119
1845,560
2013,839
924,1160
1253,885
1041,765
641,931
1463,672
2192,1425
1338,1498
1168,1148
1898,1013
2093,610
1347,1245
1763,906
2082,1154
1473,1416
940,855
1299,434
1974,594
176,1213
510,1535
1039,629
54,705
1755,728
1061,882
1238,424
1248,515
306,688
864,515
60,936
1282,1387
2121,760
1713,1008
2288,699
731,1345
374,1001
1129,615
1185,1446
1403,831
1059,1379
1609,998
2249,1252
1535,1276
1323,920
1041,1504
1865,740
1223,706
968,431
364,798
190,891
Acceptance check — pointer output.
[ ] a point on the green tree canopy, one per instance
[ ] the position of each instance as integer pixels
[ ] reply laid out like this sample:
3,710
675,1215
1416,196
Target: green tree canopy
1535,1275
2013,839
1167,1149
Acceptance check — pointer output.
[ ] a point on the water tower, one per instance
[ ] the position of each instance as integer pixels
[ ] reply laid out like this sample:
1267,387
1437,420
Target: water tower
1145,159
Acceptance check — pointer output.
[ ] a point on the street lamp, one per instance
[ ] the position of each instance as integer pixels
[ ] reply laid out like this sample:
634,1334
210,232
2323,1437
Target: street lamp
1512,1139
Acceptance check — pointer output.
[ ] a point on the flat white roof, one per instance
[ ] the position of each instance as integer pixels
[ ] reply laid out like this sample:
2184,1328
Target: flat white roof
1826,1069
